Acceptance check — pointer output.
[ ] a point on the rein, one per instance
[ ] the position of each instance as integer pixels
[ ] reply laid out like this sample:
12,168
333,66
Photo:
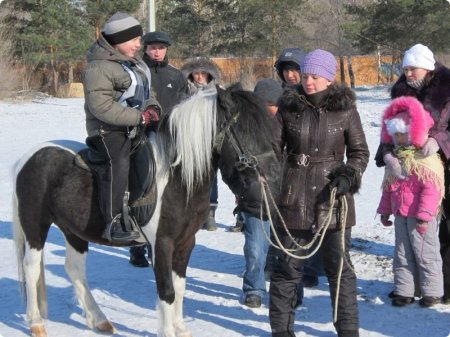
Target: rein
321,231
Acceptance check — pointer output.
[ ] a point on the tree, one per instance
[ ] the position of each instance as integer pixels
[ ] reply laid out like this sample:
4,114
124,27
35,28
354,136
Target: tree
98,11
48,32
398,24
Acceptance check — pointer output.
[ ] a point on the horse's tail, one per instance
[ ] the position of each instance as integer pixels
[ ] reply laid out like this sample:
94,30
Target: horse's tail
20,244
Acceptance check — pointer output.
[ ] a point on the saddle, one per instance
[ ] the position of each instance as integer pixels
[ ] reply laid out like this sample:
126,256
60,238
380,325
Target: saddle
141,179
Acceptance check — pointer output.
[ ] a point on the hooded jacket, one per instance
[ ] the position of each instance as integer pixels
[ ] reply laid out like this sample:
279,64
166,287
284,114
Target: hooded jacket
104,82
201,64
418,195
317,140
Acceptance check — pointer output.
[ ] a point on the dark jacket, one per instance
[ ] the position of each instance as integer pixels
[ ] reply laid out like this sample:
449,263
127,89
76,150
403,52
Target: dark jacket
317,140
168,83
435,97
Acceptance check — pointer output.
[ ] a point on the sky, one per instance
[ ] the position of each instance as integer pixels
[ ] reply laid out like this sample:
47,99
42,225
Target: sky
213,301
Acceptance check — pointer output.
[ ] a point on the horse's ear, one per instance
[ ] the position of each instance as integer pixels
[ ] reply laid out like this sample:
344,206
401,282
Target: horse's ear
224,97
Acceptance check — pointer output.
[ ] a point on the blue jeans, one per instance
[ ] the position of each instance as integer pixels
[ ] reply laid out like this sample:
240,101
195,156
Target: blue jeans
255,252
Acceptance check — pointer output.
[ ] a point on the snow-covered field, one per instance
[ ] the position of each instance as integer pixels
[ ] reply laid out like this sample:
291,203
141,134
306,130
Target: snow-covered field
213,302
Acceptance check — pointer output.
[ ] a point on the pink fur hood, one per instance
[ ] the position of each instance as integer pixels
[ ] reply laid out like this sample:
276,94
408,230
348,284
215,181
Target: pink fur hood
419,122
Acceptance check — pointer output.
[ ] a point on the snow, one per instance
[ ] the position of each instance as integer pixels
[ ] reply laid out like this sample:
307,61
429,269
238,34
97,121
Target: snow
213,301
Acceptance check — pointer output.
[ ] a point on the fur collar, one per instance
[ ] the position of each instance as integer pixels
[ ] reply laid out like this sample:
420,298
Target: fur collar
434,95
339,99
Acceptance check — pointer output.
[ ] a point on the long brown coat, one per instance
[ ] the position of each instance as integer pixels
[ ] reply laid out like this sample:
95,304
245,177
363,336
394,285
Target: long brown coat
317,140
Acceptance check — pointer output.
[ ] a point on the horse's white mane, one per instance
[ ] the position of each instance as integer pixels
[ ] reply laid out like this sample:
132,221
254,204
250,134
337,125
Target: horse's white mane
192,128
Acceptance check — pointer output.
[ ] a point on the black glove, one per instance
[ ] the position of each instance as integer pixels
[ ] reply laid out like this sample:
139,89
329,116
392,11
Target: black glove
342,183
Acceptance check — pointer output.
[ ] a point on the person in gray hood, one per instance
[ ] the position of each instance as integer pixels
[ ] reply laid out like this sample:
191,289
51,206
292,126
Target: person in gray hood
118,107
203,74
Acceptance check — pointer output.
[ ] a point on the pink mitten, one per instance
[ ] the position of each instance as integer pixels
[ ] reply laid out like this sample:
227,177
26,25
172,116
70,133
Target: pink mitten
385,220
421,227
430,147
393,165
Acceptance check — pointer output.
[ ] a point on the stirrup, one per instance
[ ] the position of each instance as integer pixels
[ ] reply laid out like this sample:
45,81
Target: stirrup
115,233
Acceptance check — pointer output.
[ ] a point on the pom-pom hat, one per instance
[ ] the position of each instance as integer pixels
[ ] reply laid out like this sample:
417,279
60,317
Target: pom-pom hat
406,113
419,56
120,28
321,63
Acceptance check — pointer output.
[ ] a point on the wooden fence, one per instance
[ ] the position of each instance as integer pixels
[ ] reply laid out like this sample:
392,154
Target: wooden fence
367,69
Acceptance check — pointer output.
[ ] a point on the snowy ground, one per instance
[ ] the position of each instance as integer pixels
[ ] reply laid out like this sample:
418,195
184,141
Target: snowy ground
213,302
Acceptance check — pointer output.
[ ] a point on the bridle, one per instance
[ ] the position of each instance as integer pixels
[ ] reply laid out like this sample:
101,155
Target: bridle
245,158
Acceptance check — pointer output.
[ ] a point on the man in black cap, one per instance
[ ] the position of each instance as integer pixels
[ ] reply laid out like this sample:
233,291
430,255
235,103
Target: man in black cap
170,87
168,82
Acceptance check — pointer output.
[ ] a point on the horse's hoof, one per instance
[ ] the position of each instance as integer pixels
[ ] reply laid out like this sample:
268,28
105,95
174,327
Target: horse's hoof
183,333
38,331
106,327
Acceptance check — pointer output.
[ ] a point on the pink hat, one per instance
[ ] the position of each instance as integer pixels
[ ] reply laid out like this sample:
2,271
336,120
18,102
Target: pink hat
406,113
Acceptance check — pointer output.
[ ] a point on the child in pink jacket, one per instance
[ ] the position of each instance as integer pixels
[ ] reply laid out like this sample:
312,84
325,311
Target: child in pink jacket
414,199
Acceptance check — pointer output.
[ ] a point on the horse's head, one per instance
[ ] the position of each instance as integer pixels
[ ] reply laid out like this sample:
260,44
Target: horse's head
246,145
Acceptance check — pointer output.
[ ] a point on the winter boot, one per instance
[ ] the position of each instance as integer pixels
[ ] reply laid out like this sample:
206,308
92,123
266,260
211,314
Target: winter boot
239,226
252,301
401,301
117,231
123,228
137,256
429,301
210,224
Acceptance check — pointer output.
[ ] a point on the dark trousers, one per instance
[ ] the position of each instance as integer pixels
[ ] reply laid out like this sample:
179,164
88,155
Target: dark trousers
214,195
444,233
111,151
288,274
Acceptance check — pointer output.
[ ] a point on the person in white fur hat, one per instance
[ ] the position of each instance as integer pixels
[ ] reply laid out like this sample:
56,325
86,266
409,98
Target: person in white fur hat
429,81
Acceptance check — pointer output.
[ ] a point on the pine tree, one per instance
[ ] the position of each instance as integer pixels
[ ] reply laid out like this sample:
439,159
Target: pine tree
48,33
399,24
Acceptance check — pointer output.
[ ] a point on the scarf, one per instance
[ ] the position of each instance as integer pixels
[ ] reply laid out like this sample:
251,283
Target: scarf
413,161
419,84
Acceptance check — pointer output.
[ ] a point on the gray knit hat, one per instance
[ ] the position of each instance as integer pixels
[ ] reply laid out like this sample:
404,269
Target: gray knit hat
268,90
320,62
120,28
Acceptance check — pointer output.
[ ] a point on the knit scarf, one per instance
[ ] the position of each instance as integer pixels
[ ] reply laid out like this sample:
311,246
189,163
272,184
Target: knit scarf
418,84
413,161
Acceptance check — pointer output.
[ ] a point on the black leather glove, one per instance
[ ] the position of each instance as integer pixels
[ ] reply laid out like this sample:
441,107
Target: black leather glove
342,183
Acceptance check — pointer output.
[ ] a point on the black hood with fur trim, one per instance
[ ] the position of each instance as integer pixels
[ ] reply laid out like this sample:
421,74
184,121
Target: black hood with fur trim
201,64
338,99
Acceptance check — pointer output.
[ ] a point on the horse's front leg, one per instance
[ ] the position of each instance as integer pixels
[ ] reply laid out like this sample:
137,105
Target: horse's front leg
181,258
75,266
164,248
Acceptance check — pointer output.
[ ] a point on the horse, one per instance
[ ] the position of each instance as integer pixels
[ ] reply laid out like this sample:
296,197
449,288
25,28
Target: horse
226,129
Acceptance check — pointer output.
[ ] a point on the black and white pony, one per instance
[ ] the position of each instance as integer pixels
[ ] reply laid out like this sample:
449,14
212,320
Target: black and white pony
227,130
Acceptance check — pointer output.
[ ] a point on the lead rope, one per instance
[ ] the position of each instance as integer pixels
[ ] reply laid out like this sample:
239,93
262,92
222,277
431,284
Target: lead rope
322,229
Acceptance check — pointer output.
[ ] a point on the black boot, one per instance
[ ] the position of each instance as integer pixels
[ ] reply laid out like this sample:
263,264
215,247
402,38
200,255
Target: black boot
210,224
239,226
116,231
137,256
